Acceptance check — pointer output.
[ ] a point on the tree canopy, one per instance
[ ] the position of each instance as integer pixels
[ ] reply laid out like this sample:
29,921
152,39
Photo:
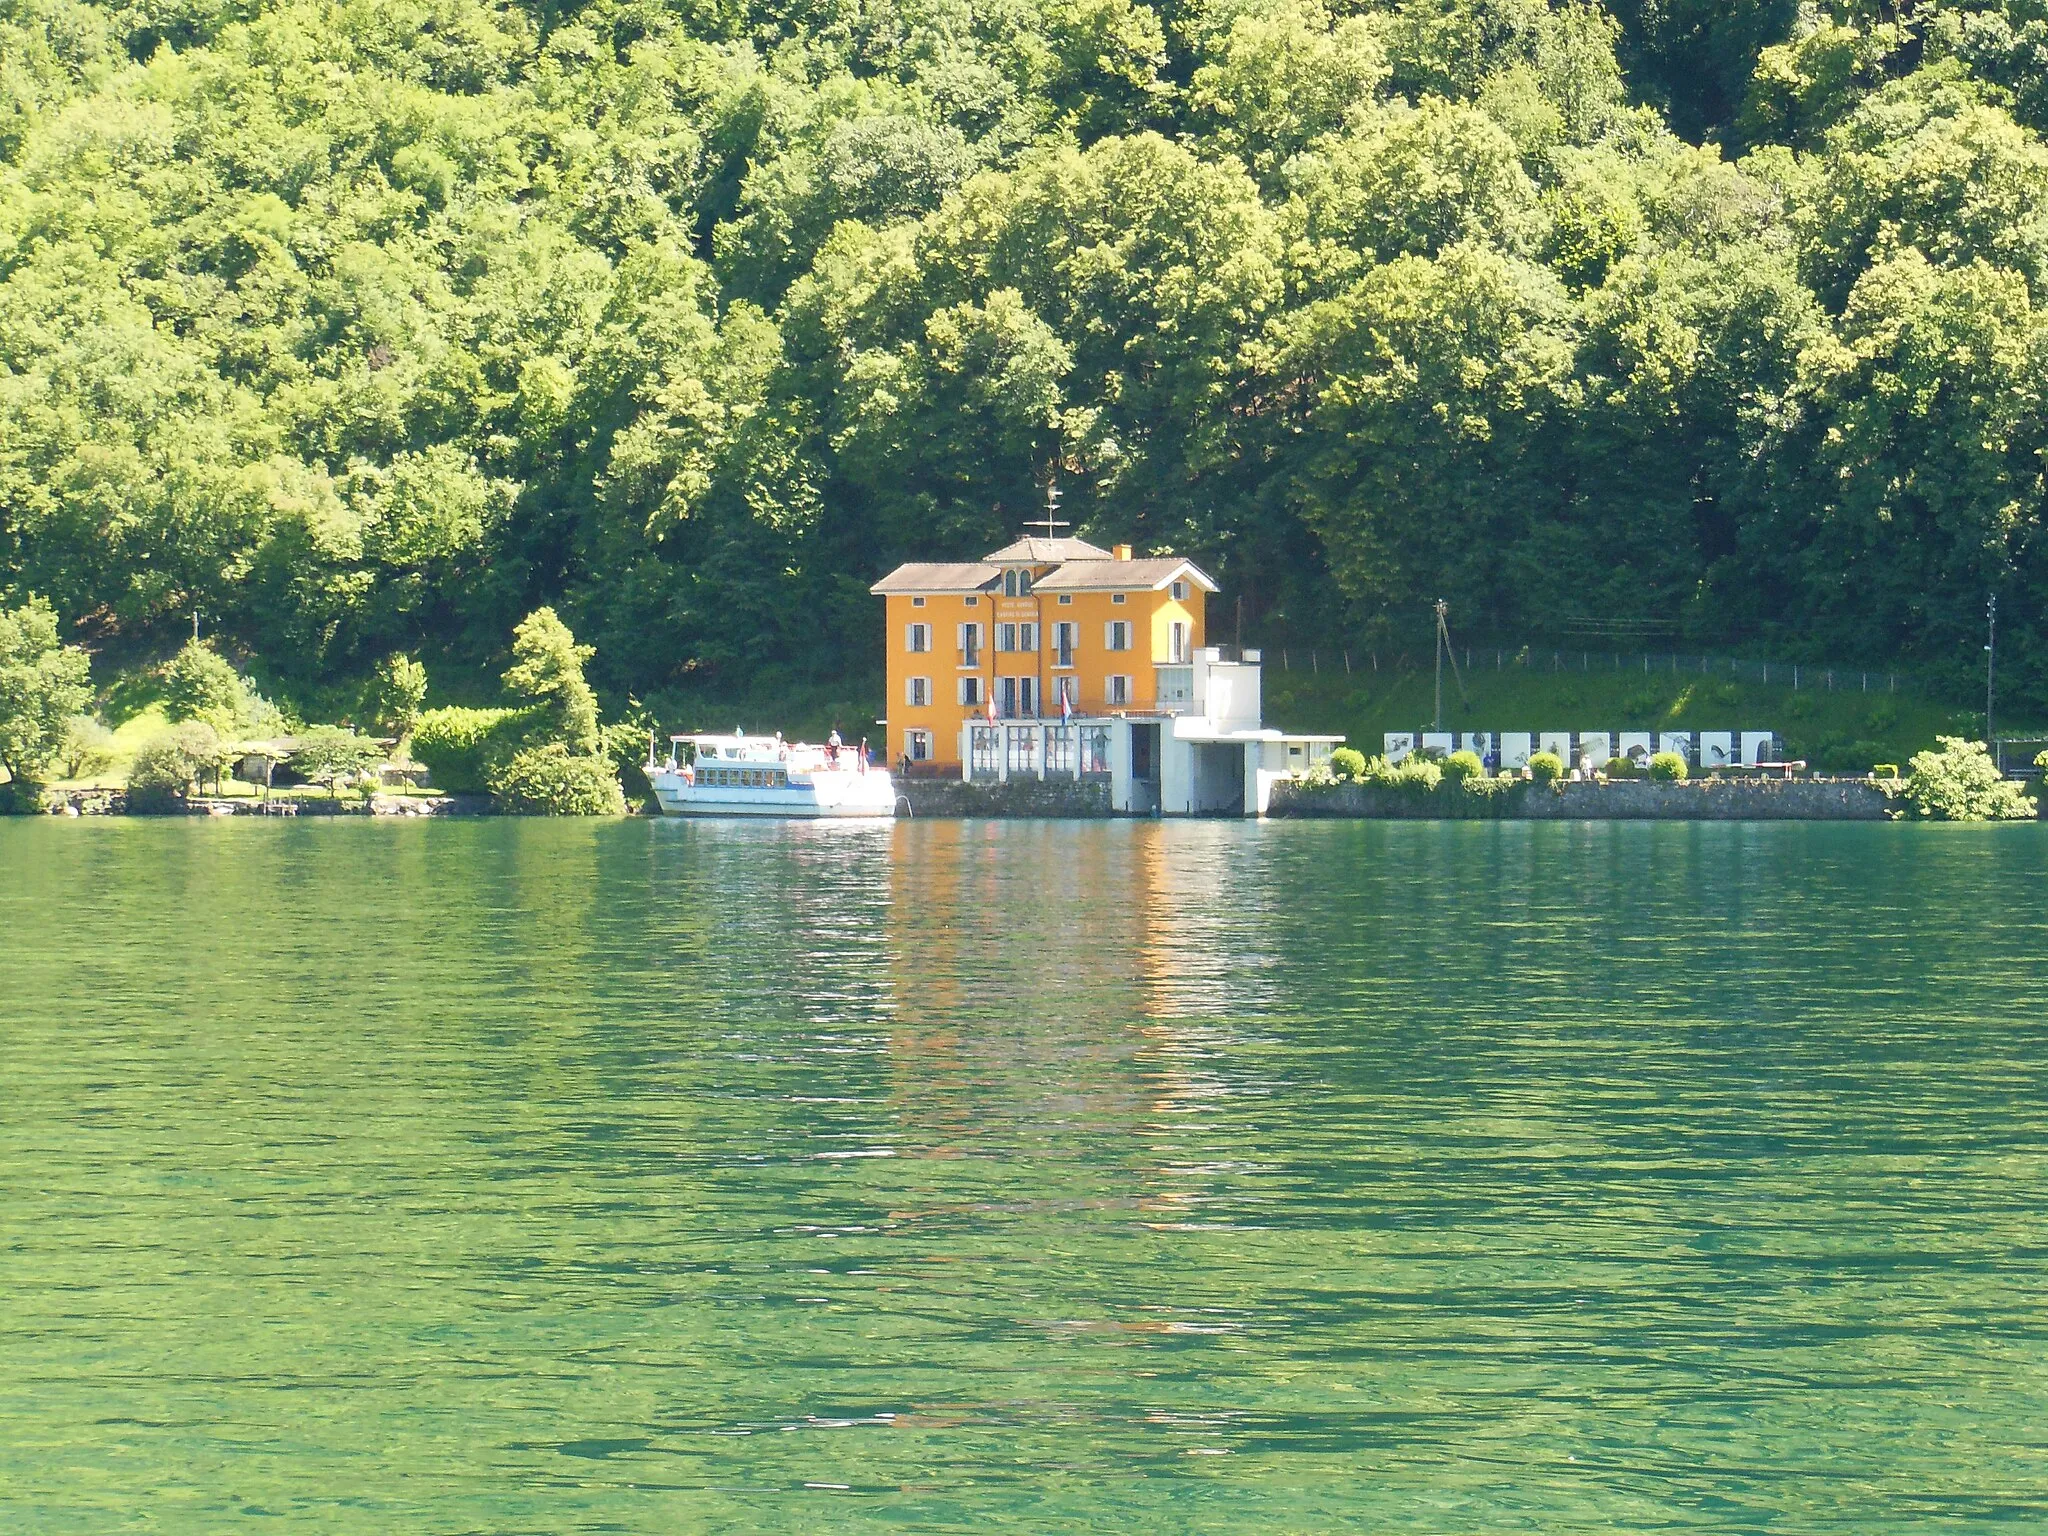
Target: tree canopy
368,329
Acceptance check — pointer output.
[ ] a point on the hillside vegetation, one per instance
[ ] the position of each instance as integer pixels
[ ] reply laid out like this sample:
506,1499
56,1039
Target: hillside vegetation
371,326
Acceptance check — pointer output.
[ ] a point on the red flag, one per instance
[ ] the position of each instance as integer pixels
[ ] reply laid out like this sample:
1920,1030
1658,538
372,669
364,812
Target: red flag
989,701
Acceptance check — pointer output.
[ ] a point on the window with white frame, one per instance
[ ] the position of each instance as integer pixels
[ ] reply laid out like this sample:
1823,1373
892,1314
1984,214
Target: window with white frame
1066,639
970,692
970,644
1177,642
1067,692
1119,689
1006,637
918,692
917,602
1116,597
917,745
1178,591
1066,600
1027,637
1117,634
917,638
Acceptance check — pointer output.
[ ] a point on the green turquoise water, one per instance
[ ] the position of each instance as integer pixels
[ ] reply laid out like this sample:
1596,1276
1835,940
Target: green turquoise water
542,1177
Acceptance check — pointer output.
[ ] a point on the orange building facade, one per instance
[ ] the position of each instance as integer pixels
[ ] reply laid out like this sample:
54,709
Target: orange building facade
1041,628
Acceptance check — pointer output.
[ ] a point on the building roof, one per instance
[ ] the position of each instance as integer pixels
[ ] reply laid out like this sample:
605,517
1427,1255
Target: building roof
1122,575
1034,551
925,576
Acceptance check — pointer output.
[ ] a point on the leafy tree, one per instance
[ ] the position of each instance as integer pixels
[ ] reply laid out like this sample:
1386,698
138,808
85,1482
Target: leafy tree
87,748
401,692
547,667
169,766
327,754
199,684
42,684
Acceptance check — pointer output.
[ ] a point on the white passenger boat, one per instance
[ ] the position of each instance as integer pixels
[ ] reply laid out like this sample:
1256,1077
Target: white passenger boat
741,775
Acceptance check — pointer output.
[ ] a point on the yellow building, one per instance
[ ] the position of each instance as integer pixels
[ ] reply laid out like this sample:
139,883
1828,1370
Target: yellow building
1036,623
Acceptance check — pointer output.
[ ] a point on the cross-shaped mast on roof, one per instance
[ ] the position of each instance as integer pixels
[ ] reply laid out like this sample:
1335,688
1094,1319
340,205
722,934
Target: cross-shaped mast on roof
1052,505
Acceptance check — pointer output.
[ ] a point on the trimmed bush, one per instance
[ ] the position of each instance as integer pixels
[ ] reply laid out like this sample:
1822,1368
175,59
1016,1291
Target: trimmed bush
1460,766
1620,768
1668,768
1348,763
1546,767
460,747
553,781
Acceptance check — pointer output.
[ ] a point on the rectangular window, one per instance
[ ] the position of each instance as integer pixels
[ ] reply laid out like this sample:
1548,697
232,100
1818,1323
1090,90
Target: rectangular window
918,638
970,602
984,751
1177,643
1006,637
918,746
1067,691
1116,597
1027,695
1006,696
919,693
970,692
1095,749
1065,639
917,602
1118,634
1027,637
1023,749
1059,749
1179,591
1119,690
970,645
1066,601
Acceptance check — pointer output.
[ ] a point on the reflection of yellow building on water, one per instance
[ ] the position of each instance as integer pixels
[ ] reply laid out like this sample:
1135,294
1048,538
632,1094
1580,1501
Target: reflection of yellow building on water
1053,658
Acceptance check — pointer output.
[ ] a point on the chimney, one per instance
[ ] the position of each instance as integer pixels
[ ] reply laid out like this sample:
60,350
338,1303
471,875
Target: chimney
1121,551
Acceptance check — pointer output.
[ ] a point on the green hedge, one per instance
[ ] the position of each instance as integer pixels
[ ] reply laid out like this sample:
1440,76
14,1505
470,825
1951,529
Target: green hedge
553,781
461,747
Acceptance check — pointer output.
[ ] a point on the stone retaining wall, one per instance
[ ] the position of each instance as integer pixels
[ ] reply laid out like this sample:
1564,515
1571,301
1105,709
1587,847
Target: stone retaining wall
1627,800
1015,797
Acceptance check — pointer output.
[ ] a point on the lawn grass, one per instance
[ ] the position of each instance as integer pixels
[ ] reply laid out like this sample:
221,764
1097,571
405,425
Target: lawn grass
1844,730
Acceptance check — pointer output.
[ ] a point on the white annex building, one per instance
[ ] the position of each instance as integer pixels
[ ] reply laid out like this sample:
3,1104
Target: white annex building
1202,751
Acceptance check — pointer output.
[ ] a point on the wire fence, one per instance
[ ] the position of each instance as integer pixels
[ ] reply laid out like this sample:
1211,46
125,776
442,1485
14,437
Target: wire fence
1797,675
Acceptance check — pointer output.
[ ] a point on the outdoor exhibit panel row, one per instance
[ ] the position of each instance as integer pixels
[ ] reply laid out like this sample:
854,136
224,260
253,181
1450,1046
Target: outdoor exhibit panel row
1593,749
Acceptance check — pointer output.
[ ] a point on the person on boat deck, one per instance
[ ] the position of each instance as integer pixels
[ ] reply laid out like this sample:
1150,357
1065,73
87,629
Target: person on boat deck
832,747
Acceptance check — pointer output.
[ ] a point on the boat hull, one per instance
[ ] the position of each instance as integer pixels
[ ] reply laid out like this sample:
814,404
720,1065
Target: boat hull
838,797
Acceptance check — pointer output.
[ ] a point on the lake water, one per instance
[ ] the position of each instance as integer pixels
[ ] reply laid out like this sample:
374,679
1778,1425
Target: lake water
630,1176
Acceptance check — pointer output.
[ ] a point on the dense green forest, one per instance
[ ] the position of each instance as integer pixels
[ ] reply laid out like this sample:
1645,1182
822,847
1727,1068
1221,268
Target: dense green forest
368,327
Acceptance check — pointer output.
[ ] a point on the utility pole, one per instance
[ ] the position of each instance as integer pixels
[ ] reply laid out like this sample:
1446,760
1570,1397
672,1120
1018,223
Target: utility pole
1990,672
1437,721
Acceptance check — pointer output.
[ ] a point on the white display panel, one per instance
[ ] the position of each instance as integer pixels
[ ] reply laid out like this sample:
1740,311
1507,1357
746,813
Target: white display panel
1717,749
1515,749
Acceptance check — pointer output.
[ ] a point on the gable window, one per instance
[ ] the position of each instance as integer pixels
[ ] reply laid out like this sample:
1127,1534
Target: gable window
1016,583
918,638
1178,591
919,692
1117,634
